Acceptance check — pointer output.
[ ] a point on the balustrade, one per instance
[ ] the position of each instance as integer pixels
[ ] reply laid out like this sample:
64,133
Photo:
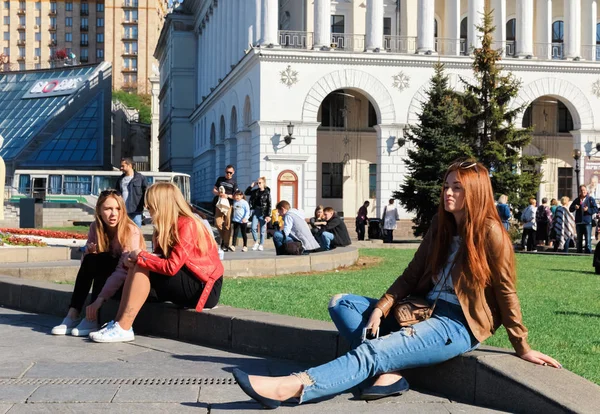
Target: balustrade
296,40
400,44
348,41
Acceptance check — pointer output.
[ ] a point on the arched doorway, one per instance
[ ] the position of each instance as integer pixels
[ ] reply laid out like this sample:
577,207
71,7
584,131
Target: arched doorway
347,151
551,123
287,187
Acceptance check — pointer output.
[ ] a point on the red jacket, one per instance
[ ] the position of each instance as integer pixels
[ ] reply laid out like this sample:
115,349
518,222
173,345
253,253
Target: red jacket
207,268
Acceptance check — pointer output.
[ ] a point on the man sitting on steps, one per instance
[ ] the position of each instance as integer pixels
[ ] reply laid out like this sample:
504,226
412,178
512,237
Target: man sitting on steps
334,233
295,228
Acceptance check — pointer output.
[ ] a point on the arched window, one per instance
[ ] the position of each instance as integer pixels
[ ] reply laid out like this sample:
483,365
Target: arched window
435,28
558,31
598,34
213,135
233,122
464,29
558,36
222,129
511,30
247,112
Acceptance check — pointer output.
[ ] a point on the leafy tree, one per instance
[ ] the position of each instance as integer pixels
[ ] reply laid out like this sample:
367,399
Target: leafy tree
436,143
489,123
138,101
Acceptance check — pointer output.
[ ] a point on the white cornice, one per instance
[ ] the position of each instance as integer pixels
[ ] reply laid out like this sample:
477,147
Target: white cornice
287,157
389,59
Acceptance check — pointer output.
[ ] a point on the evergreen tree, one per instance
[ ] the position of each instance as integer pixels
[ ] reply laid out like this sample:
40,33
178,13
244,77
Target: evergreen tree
436,143
488,121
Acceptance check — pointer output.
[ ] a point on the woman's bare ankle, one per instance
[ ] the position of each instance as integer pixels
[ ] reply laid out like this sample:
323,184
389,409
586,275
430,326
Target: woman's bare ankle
387,378
276,388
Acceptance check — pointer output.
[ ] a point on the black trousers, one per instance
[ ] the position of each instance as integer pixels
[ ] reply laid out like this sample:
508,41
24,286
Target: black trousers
183,289
529,240
360,230
242,227
94,271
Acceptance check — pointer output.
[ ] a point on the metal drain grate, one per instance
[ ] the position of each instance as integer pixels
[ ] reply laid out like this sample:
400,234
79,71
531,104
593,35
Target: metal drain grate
118,381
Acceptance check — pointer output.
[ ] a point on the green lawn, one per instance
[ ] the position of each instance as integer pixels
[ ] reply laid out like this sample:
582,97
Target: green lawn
560,297
72,229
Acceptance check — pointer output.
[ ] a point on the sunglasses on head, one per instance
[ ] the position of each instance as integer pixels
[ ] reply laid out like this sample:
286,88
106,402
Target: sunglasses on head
464,165
110,192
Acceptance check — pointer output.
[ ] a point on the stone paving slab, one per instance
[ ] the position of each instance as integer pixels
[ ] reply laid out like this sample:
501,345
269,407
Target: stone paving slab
73,394
16,393
4,408
104,408
157,393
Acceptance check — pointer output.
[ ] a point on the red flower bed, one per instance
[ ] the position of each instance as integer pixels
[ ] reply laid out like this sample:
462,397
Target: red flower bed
45,233
25,241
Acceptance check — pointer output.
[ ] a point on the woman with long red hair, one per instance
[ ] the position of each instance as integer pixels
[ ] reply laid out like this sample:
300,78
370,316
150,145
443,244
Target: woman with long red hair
464,268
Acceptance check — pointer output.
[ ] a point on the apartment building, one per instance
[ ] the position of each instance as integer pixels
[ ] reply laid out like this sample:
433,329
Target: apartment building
39,34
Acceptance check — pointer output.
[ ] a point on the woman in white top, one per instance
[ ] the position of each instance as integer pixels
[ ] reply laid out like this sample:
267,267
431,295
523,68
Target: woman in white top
389,219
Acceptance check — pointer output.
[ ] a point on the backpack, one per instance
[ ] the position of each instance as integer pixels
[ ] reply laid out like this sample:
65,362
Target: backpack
293,248
540,214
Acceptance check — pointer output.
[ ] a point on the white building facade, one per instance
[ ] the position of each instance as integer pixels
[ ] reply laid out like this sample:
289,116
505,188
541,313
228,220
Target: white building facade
349,75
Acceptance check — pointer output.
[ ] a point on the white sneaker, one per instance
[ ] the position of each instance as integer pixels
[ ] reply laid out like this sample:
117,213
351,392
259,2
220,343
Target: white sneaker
244,249
255,247
260,248
232,248
104,328
85,328
113,334
65,327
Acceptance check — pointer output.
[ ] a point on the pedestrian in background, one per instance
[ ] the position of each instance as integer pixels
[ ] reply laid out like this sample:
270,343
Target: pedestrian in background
504,211
132,185
529,227
389,219
362,220
224,188
585,209
563,226
239,218
260,206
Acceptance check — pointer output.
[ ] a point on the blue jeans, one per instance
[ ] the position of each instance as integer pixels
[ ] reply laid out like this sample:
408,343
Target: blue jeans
325,240
258,220
442,337
137,218
584,230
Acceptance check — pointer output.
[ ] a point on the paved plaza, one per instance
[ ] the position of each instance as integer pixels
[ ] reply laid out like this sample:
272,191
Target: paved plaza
42,373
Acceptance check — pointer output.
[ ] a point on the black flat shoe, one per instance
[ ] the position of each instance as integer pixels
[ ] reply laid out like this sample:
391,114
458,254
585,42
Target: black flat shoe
244,382
376,392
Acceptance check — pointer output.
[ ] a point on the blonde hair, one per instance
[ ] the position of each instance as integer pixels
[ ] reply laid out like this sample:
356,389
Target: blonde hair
564,200
263,179
167,205
124,225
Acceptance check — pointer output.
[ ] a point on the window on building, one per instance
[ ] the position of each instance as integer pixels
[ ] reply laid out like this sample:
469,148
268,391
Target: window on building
7,4
37,51
565,181
131,47
38,5
84,23
68,37
85,9
99,7
38,66
372,180
22,5
22,36
38,21
69,50
332,110
6,35
337,23
53,37
53,6
511,30
565,120
99,37
131,15
100,53
332,179
84,53
558,31
131,32
7,51
21,20
22,66
6,19
100,22
21,52
69,6
69,21
387,26
84,39
38,37
464,28
53,22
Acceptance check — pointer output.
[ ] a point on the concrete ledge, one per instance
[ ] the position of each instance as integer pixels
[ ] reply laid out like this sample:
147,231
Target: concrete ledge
491,377
34,254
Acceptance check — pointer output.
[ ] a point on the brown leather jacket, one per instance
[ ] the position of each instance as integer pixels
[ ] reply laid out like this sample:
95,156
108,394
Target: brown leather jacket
486,308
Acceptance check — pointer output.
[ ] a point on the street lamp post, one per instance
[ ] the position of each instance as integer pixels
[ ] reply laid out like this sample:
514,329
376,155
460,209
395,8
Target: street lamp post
577,157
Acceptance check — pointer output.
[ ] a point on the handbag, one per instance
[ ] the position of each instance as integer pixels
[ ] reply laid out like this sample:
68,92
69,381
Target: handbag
412,310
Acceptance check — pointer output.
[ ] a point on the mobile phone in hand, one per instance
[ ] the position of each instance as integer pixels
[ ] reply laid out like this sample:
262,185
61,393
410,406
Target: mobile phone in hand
368,333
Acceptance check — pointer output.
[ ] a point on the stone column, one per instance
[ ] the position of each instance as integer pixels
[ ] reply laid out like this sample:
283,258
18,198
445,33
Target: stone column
572,15
524,28
269,22
543,49
475,18
588,29
425,26
154,144
452,32
374,25
499,7
322,35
